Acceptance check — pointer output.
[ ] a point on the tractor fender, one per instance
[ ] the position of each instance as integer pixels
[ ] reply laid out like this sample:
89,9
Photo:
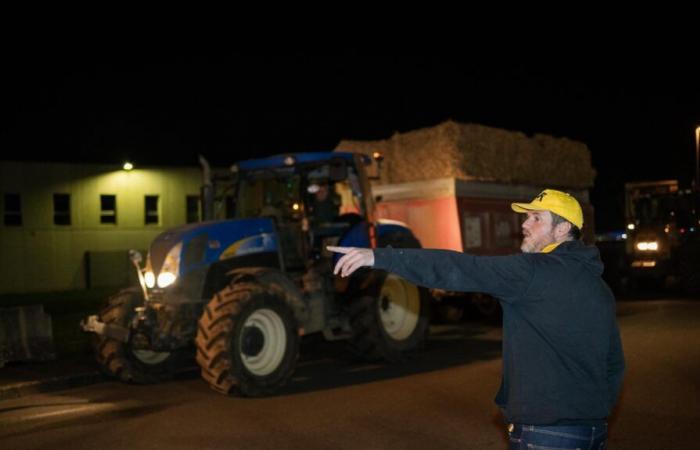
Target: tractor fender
278,284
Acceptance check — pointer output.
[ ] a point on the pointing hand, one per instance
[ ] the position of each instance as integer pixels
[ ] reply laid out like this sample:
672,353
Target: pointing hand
353,258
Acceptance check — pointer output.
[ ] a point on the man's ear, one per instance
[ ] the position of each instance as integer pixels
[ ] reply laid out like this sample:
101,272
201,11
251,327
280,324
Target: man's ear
562,229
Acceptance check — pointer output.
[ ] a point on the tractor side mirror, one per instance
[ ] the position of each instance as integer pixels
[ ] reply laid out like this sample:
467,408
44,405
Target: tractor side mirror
135,257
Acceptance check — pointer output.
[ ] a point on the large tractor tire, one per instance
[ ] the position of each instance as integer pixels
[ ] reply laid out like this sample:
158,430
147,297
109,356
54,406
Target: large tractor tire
247,341
393,320
391,323
119,359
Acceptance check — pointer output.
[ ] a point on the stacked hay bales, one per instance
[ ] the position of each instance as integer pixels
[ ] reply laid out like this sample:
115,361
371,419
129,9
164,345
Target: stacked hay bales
477,152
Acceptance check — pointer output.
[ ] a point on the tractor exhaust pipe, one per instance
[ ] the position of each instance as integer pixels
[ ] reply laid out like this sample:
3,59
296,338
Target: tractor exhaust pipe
207,190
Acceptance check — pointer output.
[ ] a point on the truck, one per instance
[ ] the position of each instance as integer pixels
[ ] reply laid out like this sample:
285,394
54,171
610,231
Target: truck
237,294
663,234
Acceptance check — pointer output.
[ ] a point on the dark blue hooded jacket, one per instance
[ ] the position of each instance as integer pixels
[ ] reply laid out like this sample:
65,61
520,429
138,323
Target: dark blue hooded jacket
562,355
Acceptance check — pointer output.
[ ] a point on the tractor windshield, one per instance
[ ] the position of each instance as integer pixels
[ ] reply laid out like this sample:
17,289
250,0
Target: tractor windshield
269,193
292,192
665,209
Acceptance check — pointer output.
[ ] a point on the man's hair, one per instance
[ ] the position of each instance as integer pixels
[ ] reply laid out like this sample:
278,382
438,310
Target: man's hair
574,231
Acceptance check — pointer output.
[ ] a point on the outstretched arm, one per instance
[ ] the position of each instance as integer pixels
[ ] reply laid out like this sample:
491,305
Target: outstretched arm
502,276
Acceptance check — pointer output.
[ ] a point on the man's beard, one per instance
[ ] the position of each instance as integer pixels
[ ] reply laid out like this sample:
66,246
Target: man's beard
530,245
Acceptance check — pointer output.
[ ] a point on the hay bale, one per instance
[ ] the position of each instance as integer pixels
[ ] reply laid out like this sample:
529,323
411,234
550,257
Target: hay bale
477,152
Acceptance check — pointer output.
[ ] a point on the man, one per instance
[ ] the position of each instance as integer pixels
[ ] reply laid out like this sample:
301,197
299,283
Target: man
562,355
325,205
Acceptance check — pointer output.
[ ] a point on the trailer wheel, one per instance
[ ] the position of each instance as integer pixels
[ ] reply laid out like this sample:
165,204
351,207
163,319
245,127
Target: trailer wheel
487,306
391,323
449,312
247,341
119,359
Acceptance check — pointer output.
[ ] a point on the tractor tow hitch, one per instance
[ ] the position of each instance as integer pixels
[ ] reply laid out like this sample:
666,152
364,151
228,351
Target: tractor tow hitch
93,325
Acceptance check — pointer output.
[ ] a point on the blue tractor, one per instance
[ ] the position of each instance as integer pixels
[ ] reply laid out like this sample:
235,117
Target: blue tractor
238,293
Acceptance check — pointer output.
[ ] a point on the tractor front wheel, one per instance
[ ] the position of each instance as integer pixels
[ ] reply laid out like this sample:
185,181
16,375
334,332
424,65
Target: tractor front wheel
247,341
120,359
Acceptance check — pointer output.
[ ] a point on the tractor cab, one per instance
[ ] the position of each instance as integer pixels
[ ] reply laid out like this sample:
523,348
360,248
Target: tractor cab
314,200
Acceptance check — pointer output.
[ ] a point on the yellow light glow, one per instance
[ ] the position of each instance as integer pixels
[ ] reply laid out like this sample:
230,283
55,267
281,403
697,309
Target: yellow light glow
150,279
295,206
128,166
165,279
630,226
644,263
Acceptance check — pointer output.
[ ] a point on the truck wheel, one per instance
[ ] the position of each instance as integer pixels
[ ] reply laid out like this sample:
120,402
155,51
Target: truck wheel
247,341
120,359
391,323
448,312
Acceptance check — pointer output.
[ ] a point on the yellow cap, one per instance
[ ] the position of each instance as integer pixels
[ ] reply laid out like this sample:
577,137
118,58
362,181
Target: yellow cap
558,202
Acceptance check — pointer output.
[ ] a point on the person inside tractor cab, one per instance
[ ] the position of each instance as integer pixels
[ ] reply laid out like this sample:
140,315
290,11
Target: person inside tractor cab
324,205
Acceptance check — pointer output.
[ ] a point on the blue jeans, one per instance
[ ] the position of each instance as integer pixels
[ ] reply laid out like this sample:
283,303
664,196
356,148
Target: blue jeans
555,437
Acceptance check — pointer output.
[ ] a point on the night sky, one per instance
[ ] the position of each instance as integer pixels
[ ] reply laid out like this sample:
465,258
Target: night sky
637,114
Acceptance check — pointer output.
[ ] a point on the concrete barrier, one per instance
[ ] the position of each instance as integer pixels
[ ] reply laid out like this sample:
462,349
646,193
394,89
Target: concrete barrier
25,334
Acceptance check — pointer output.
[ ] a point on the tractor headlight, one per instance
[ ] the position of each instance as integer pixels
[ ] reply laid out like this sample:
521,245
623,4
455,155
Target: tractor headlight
171,267
648,246
165,279
150,279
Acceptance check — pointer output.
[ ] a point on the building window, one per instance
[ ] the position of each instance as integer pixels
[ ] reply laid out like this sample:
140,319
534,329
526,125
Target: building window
61,209
108,209
151,210
12,210
192,208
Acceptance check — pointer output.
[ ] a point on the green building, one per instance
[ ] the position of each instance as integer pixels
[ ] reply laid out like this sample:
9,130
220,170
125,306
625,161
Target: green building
70,226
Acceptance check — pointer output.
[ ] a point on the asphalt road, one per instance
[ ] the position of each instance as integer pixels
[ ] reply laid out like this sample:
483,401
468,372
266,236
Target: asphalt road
441,398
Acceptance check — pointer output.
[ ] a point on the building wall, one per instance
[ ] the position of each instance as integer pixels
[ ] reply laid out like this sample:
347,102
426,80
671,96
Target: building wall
42,256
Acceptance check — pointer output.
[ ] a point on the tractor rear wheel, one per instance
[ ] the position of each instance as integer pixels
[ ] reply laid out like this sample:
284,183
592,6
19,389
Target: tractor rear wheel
247,341
392,323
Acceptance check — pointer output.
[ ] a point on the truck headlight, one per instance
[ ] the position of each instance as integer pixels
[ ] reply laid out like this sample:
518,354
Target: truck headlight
171,267
646,246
